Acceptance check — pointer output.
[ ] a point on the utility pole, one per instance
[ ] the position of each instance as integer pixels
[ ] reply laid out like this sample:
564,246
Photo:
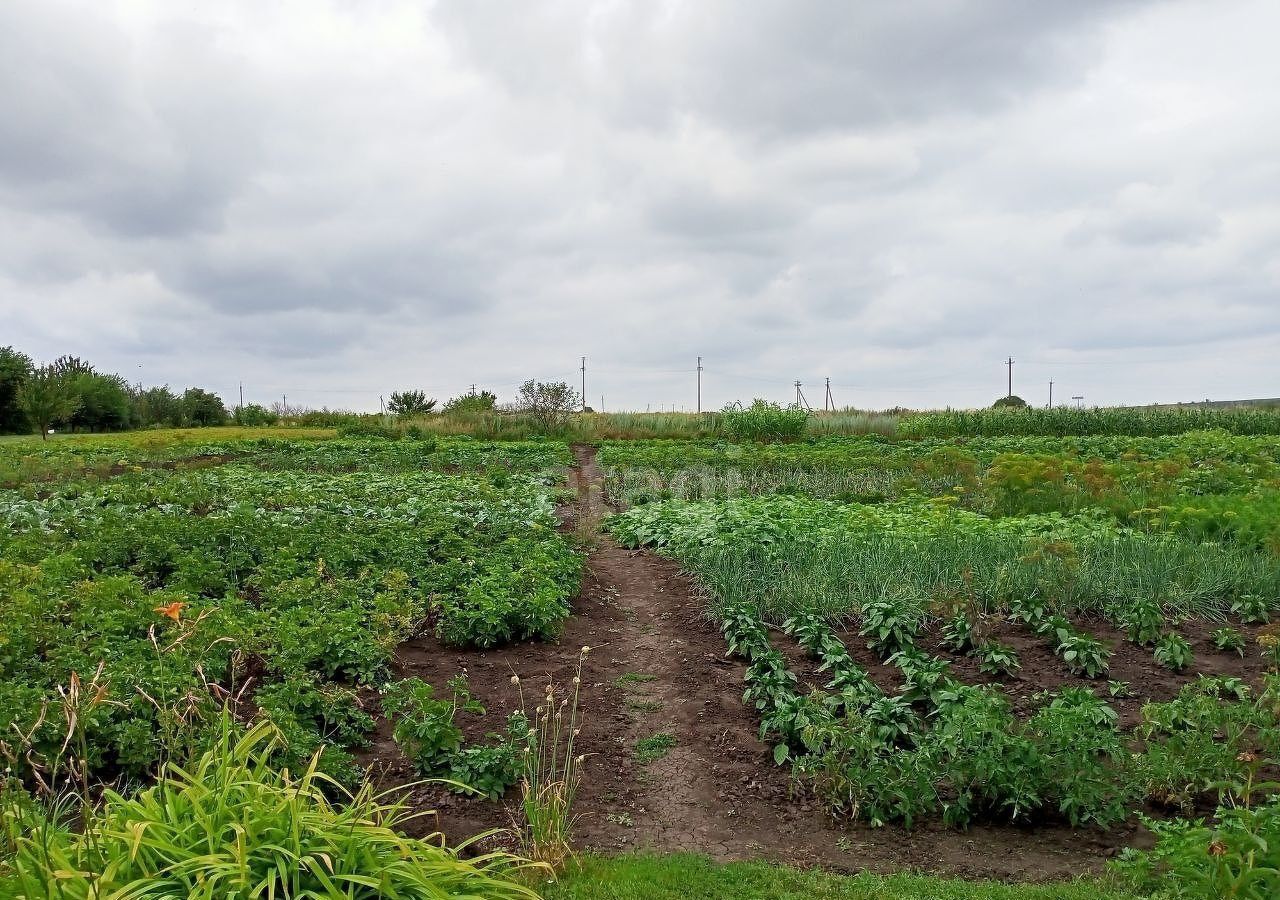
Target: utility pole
1051,394
699,385
284,404
1009,363
829,403
382,405
584,384
242,395
800,398
1079,398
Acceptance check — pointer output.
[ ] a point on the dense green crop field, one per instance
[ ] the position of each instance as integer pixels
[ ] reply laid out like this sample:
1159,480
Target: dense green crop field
186,572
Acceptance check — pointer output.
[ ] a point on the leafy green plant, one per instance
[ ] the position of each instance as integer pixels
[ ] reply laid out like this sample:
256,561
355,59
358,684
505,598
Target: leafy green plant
1228,640
764,421
490,769
1173,652
1084,655
1251,609
1143,621
423,725
958,633
996,659
1238,855
889,625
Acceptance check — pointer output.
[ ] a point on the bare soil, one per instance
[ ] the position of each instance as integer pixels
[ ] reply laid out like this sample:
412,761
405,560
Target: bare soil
656,665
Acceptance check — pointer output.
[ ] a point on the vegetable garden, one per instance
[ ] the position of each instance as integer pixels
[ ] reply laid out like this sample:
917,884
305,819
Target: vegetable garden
961,630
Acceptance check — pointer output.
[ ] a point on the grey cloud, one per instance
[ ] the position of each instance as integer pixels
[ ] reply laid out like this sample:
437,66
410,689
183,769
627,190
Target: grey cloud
350,198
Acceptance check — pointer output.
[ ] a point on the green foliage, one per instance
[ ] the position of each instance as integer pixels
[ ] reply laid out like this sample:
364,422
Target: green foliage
648,877
1011,401
254,416
1065,420
410,403
155,407
1143,621
548,404
764,421
1228,639
1237,855
1084,654
232,824
423,725
15,368
471,403
47,396
654,747
996,659
201,408
1252,609
1173,652
889,625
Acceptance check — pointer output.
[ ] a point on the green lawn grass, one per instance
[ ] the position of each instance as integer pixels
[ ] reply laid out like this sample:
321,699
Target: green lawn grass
686,877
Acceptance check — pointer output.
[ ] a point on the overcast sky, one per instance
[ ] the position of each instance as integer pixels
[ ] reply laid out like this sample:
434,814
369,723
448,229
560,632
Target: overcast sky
336,200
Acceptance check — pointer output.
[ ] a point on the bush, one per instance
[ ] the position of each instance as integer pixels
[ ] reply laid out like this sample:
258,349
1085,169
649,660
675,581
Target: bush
255,416
1013,401
764,421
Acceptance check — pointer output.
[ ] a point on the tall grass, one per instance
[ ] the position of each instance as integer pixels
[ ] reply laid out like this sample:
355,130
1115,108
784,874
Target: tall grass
592,427
231,825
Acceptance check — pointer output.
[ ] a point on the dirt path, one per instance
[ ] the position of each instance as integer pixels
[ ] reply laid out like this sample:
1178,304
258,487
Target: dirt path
657,667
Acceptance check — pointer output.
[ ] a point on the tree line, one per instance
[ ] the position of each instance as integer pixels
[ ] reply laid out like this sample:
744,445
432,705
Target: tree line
70,394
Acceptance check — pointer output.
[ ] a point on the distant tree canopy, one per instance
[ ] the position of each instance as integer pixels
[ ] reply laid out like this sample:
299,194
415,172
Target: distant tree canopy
155,407
548,403
48,396
1013,400
71,394
471,402
255,416
15,368
199,407
410,403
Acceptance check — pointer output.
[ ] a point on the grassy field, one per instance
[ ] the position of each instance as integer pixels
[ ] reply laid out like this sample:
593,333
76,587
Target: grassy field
683,877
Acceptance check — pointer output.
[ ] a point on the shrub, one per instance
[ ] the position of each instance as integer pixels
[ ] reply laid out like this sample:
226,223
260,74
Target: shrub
1012,401
410,403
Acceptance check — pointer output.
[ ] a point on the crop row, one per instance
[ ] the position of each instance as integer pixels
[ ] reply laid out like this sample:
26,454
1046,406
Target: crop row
790,553
187,584
943,747
1066,420
1206,486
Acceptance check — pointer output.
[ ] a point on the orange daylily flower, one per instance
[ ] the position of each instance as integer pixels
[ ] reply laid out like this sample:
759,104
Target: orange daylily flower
171,610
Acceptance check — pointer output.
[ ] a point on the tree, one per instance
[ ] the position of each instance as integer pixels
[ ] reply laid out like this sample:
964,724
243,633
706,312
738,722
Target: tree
549,404
104,402
1013,401
47,396
15,368
471,402
254,415
156,406
199,407
410,403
